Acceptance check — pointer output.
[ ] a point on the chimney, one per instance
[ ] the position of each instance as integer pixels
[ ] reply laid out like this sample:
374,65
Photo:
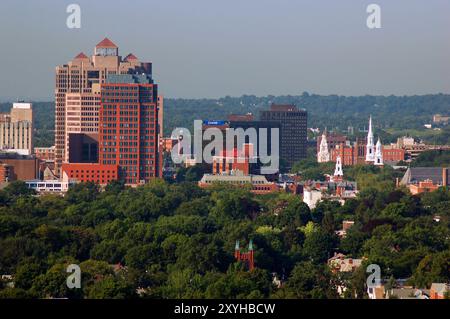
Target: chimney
444,176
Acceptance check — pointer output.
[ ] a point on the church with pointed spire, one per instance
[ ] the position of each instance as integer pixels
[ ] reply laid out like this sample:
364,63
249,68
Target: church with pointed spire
334,188
245,257
378,154
370,146
374,153
363,150
323,156
338,172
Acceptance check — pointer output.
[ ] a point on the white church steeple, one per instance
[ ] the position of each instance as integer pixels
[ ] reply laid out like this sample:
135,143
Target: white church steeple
323,155
378,153
370,147
338,172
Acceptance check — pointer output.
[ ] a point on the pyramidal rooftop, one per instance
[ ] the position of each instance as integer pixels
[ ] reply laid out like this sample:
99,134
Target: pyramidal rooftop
106,43
130,57
81,55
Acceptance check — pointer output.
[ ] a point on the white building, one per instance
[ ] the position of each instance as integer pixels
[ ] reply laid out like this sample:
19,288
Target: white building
378,154
334,189
50,186
323,156
16,129
338,172
311,197
370,147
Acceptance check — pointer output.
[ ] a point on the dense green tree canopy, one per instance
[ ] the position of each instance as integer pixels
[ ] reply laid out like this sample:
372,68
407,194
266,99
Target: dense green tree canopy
166,240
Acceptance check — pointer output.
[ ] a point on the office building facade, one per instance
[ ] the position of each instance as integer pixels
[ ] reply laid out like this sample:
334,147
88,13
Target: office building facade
129,130
77,91
293,131
16,129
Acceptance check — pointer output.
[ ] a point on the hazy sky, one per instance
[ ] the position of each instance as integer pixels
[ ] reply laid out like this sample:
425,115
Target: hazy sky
212,48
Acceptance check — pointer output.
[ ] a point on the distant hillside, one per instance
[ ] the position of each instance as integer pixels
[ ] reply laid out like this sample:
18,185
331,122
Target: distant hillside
332,111
390,113
433,159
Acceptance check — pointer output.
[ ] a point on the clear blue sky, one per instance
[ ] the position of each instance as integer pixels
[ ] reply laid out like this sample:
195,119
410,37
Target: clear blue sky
212,48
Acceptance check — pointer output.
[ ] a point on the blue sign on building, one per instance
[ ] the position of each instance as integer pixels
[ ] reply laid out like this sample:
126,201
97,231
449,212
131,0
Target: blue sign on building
206,122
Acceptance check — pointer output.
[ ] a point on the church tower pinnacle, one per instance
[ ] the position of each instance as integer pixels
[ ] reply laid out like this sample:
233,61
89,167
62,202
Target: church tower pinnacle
378,154
338,172
370,147
323,155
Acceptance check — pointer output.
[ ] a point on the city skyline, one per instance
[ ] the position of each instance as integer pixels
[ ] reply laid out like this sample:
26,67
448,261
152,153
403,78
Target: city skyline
323,48
122,176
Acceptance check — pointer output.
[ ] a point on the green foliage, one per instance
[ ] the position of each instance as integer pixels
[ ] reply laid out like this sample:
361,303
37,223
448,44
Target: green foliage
432,159
193,173
432,268
332,111
318,245
177,241
308,280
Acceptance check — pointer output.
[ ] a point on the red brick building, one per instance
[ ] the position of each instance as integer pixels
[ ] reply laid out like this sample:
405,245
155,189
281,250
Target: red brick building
167,144
233,160
353,154
425,179
4,173
241,117
333,139
18,167
45,153
350,154
258,183
128,127
391,154
91,172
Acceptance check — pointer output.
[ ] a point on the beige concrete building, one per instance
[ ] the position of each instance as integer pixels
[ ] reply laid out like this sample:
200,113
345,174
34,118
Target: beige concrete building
81,115
77,91
16,129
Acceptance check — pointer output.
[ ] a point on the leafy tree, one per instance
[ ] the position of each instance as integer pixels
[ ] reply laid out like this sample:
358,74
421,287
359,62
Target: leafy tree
110,287
17,188
432,268
308,280
319,245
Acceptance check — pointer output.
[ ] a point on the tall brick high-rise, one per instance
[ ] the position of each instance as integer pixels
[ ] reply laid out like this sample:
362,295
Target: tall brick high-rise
77,92
129,130
293,131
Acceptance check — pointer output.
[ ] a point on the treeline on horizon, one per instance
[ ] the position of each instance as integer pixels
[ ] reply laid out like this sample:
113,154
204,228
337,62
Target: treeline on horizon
334,112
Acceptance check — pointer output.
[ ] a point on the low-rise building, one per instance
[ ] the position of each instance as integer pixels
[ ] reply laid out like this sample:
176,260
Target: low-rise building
317,191
346,225
45,153
91,172
376,292
340,263
14,166
335,188
234,160
258,183
425,179
441,119
49,186
439,290
406,293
